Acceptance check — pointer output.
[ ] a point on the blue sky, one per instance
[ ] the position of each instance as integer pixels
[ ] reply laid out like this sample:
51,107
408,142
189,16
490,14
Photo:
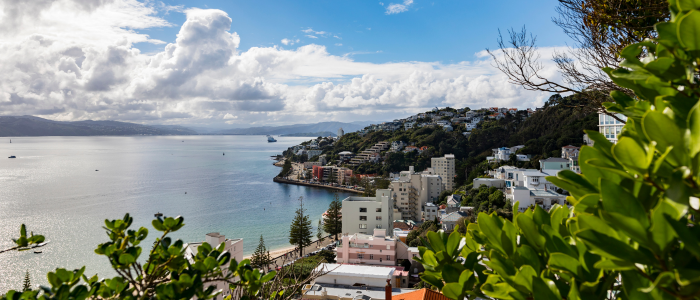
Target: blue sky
447,31
251,63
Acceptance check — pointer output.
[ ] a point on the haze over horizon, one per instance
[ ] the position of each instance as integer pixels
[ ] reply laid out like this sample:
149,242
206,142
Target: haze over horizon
233,64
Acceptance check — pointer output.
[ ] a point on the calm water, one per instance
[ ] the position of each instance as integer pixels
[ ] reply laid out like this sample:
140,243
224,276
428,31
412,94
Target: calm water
52,186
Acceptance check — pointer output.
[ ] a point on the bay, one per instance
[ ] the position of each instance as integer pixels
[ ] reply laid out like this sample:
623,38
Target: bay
65,187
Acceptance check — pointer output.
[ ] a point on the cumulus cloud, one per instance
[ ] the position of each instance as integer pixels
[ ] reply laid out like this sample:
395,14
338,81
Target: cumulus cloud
397,8
52,67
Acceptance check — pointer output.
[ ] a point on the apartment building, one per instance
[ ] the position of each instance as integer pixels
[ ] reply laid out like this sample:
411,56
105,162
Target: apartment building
364,214
312,153
411,191
368,154
609,127
375,249
445,167
326,173
503,153
214,239
529,187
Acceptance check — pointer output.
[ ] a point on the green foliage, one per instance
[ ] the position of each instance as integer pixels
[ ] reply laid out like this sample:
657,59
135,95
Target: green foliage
300,231
166,274
333,220
286,168
631,232
327,255
27,285
261,257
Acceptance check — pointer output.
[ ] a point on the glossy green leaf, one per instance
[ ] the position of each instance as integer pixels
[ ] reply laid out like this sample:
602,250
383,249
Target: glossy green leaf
629,153
689,29
563,262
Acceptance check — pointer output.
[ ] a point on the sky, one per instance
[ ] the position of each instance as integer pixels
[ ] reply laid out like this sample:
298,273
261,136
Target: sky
232,64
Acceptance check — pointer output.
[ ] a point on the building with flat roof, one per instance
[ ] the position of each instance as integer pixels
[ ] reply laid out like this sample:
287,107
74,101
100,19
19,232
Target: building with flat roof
364,214
375,249
445,167
413,190
609,127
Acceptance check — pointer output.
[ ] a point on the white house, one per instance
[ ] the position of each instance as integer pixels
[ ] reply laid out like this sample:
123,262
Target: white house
364,214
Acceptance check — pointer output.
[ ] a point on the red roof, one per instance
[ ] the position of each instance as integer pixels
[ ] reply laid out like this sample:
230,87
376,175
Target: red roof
422,294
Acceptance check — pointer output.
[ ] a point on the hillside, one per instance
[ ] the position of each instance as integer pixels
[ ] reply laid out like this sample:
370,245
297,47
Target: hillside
35,126
561,122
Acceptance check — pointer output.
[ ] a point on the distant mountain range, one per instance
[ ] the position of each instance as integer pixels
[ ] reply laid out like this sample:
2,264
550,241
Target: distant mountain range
297,128
35,126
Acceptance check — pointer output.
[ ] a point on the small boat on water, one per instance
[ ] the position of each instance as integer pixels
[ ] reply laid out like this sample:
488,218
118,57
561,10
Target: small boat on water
37,252
270,139
12,156
158,215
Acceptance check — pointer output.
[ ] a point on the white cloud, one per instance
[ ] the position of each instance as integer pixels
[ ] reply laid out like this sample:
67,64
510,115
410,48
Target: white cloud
311,36
338,44
52,67
337,37
396,8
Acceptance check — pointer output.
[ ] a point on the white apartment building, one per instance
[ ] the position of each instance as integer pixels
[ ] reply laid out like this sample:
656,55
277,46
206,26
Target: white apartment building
503,153
364,214
430,211
529,187
609,127
411,191
340,132
214,239
445,167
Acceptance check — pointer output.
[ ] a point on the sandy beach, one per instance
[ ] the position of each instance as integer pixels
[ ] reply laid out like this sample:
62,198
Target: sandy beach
274,253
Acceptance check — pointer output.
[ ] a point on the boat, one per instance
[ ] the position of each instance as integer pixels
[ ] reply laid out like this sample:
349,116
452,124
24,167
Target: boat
158,215
12,156
270,139
37,252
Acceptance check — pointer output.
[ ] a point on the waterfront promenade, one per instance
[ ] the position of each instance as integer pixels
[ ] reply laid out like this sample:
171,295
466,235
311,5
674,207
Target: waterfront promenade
320,185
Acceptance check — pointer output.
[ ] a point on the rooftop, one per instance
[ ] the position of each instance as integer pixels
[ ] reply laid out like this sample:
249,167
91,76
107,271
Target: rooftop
344,291
422,294
535,173
554,159
544,193
357,270
453,216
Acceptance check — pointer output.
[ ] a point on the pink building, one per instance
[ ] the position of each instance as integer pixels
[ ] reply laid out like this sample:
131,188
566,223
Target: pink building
376,249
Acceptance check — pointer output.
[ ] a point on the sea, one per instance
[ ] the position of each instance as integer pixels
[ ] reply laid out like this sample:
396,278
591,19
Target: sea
66,187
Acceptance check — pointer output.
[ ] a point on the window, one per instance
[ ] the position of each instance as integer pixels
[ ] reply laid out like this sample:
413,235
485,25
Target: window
360,256
379,218
363,226
388,247
363,218
363,209
388,257
371,256
414,255
379,210
379,226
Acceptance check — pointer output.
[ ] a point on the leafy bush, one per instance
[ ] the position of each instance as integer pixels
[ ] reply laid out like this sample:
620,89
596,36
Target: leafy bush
631,232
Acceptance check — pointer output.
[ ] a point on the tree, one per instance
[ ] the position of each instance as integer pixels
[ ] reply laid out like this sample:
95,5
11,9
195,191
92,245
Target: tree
261,257
333,219
319,232
634,205
600,29
286,168
27,286
300,231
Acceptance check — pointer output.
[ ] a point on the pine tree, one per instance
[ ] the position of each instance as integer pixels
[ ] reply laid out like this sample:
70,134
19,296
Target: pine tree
261,257
300,232
319,231
27,282
333,222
